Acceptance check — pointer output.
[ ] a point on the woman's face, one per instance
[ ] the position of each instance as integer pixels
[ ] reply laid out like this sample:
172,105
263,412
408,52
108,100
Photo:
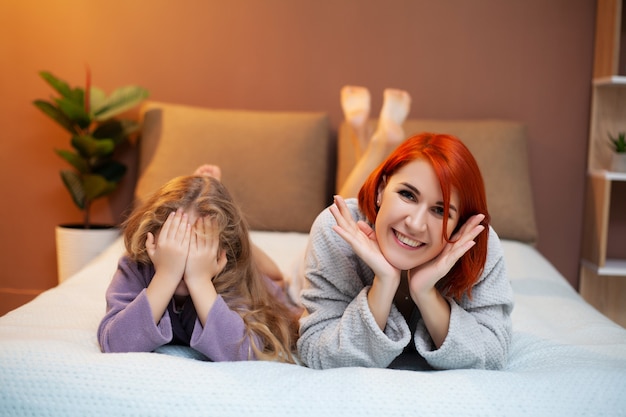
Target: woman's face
410,218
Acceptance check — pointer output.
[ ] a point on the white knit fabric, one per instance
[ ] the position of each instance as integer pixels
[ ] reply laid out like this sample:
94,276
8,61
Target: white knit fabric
340,330
566,359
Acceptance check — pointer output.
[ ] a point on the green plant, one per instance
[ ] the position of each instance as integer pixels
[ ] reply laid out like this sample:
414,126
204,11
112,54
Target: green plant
619,142
88,114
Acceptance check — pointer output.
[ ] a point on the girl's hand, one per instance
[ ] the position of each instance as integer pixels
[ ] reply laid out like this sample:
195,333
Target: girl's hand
205,260
168,252
362,238
422,279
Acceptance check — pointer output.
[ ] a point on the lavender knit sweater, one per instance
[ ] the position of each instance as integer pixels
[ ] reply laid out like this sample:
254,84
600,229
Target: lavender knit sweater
128,325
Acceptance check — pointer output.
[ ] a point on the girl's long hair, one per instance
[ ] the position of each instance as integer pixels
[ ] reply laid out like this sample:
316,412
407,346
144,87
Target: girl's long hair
456,169
240,283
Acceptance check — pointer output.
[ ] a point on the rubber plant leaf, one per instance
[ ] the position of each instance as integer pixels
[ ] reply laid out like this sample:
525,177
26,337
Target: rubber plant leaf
55,114
97,186
116,130
121,100
74,185
74,160
75,111
112,171
90,147
61,86
97,99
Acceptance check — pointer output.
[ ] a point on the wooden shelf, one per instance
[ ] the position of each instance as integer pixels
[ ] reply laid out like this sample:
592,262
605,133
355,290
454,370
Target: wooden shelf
615,80
611,268
608,175
603,279
605,292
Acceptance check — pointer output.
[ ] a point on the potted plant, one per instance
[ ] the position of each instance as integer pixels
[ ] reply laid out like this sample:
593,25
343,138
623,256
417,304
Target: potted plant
89,116
618,143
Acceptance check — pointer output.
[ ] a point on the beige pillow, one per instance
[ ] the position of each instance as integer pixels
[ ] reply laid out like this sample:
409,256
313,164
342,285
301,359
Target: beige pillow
277,165
500,150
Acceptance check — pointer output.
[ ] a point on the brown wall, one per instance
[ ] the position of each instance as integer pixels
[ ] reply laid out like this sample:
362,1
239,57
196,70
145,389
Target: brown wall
527,60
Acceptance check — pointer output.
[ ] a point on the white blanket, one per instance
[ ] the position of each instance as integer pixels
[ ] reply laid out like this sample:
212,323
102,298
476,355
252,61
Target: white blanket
566,360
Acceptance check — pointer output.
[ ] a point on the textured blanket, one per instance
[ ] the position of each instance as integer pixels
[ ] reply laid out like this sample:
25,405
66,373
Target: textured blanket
566,360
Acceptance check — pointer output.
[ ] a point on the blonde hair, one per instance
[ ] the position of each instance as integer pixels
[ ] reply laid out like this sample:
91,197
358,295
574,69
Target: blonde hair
240,283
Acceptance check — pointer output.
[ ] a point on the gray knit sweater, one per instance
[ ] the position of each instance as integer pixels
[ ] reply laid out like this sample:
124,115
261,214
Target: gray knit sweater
340,330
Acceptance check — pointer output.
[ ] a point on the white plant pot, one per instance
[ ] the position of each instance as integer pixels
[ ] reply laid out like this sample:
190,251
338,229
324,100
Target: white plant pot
618,162
77,246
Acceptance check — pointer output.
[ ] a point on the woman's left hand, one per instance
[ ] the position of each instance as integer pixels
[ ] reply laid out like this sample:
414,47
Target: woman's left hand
423,278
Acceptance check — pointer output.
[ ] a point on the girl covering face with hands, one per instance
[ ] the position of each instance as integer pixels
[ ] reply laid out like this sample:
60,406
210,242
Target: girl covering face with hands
411,272
189,278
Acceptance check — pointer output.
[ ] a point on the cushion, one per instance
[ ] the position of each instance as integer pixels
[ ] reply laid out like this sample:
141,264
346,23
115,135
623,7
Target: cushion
277,165
500,149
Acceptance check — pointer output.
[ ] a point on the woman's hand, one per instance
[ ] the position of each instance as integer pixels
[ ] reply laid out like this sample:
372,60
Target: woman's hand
422,279
433,307
362,239
205,261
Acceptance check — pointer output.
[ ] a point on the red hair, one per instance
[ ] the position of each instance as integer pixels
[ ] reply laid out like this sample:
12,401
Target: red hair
456,169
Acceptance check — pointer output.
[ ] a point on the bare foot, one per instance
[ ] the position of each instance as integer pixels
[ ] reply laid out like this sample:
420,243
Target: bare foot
209,170
355,103
396,106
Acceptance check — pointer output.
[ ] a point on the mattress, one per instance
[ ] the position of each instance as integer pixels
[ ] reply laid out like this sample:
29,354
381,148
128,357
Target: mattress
566,359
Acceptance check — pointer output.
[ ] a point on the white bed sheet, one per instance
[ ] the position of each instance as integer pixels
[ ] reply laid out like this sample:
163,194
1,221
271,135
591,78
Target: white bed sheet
566,359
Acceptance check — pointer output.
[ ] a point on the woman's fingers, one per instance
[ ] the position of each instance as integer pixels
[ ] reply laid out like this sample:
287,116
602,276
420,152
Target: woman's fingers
472,222
462,241
470,230
341,213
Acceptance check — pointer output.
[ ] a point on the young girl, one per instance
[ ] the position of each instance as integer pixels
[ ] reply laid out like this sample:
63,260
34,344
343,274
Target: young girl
411,272
190,277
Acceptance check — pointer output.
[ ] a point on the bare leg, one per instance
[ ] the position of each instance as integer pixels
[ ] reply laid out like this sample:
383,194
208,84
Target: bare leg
355,103
388,135
266,265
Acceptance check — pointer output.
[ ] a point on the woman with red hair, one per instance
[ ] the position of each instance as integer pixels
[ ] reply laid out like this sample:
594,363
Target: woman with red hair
410,275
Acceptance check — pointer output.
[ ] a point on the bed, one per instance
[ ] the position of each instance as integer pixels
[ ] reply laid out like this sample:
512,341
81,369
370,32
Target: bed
567,359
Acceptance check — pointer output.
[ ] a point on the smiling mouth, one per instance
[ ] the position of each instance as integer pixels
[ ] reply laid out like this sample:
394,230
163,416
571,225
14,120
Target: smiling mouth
407,241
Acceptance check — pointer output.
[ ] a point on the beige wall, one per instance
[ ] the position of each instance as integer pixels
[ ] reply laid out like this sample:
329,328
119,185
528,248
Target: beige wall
527,60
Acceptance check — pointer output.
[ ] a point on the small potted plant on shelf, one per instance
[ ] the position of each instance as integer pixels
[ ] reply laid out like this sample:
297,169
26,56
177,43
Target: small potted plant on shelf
618,143
89,116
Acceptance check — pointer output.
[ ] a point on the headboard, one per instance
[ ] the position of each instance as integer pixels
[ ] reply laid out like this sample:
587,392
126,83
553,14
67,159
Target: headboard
279,166
500,149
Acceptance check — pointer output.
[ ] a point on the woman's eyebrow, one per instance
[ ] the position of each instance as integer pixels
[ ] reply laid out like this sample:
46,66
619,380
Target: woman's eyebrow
411,187
417,192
